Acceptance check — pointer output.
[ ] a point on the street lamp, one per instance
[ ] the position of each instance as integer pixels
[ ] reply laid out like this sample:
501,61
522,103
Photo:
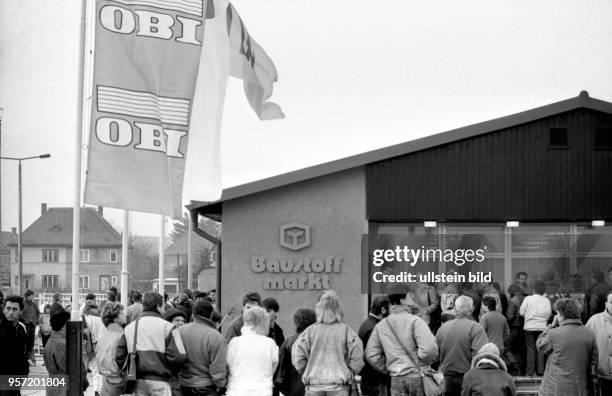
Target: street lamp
20,234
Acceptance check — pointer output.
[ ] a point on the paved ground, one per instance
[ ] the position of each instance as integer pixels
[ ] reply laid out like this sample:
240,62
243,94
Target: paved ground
40,369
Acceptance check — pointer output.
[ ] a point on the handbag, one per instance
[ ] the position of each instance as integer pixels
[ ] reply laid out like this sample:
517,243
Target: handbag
433,380
353,389
130,366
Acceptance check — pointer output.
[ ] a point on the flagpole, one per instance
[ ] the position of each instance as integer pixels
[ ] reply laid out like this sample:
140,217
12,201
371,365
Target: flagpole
124,258
189,258
78,147
162,248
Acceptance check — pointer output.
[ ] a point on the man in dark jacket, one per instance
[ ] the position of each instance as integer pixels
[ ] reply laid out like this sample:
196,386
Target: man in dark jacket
31,318
373,383
459,340
287,379
276,332
55,354
233,330
205,370
597,293
13,342
515,348
488,375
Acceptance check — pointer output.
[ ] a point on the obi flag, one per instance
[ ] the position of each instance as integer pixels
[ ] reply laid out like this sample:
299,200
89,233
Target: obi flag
160,73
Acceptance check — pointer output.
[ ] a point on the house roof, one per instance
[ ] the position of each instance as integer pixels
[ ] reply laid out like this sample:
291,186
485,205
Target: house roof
54,228
583,100
7,237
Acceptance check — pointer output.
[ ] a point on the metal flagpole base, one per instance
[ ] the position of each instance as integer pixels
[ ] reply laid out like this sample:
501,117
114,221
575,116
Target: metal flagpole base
74,357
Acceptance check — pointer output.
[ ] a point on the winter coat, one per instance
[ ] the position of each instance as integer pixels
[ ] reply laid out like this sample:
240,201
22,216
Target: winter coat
206,352
573,357
597,297
234,328
536,310
388,354
514,319
496,328
251,359
30,314
322,351
276,333
13,348
159,347
106,350
286,378
369,374
601,326
56,362
458,341
488,376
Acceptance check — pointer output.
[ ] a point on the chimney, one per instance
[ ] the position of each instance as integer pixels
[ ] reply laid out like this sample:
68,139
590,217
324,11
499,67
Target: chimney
101,210
14,231
43,208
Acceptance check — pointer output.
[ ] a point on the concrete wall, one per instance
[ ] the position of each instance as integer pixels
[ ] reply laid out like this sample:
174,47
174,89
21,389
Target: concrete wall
334,208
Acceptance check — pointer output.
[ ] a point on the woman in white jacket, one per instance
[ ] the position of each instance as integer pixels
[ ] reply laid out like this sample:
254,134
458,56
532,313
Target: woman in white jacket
252,358
537,310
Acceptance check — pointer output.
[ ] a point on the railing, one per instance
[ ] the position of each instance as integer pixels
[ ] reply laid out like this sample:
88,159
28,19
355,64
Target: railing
47,298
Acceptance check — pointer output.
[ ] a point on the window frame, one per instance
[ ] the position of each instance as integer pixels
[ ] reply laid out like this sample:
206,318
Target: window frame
110,256
54,284
82,282
87,253
54,255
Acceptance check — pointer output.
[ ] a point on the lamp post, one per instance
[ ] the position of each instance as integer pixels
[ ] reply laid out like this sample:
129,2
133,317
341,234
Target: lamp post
20,231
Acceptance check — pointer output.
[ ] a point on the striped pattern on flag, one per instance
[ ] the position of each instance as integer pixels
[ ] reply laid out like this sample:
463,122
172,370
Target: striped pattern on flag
143,104
193,7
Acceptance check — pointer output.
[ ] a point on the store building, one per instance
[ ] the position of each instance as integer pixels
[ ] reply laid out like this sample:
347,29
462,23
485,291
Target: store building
531,190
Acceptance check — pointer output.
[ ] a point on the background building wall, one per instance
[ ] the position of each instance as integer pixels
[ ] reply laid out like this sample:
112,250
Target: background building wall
333,207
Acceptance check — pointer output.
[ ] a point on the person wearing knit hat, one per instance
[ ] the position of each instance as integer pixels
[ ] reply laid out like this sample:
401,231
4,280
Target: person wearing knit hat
175,316
55,352
488,375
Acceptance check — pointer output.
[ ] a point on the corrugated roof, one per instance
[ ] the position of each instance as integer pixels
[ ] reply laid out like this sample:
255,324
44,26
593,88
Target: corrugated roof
54,228
581,101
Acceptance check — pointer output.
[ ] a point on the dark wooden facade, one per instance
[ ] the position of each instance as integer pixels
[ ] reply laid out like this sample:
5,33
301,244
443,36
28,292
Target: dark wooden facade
508,174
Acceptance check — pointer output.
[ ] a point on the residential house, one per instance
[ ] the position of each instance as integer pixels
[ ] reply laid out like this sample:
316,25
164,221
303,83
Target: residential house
47,252
6,238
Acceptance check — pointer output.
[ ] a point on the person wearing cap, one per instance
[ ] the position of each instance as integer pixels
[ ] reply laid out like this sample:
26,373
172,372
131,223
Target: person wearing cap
13,342
488,374
205,370
55,353
459,340
402,345
175,316
31,318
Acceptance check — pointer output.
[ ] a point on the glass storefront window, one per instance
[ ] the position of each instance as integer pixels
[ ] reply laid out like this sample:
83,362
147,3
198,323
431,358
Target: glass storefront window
564,256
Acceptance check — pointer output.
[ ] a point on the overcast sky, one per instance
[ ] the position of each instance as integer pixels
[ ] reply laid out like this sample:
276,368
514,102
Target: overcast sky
354,75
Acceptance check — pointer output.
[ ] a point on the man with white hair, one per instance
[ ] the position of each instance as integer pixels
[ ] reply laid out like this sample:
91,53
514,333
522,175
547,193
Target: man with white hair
458,341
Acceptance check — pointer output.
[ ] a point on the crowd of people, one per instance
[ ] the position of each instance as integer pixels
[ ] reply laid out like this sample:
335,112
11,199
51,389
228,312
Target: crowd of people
475,337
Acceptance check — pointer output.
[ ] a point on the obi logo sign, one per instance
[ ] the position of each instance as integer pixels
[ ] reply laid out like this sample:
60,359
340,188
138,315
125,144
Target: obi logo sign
295,236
